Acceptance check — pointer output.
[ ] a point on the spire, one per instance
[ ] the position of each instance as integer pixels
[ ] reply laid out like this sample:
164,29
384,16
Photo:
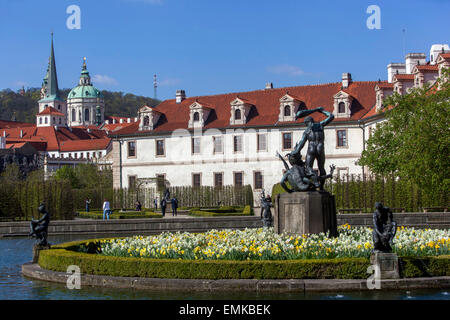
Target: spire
52,81
85,78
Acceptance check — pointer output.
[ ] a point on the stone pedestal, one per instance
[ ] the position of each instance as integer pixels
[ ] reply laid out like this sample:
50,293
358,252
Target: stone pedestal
305,212
36,249
387,264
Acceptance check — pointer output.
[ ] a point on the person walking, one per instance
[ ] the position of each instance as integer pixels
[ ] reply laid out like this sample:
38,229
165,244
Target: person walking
88,202
106,209
156,203
138,206
163,206
174,203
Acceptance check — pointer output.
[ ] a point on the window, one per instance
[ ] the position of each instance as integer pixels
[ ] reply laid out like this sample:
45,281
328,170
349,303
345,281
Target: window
59,107
70,155
261,142
341,138
146,121
86,115
218,179
287,111
88,155
257,180
237,143
54,120
218,145
45,120
196,180
287,140
73,115
40,120
131,149
160,181
341,107
195,145
132,182
160,147
238,179
237,114
196,116
59,120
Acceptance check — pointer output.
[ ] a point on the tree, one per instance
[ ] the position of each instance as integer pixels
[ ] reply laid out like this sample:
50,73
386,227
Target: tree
414,141
69,174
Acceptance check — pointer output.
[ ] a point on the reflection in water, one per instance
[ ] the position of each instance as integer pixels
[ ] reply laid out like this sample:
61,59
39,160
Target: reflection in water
15,252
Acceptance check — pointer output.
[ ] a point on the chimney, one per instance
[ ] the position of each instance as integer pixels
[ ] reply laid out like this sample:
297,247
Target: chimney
121,120
180,96
395,68
135,119
269,85
128,120
413,59
106,121
346,79
114,121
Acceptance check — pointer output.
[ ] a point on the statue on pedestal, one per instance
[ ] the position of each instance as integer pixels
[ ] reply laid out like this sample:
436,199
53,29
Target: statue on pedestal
300,178
266,213
315,135
38,228
384,229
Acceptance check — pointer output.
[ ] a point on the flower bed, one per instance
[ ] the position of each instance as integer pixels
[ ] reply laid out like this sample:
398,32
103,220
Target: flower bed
250,254
264,244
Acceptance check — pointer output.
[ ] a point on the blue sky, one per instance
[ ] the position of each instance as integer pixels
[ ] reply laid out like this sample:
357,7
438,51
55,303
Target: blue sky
210,47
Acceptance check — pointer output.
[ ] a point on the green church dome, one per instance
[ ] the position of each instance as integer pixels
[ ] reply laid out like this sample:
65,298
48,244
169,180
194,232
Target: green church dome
84,89
87,91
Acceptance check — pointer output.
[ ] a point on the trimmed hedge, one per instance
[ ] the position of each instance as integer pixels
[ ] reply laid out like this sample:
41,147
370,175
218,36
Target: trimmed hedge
222,211
413,267
61,256
116,214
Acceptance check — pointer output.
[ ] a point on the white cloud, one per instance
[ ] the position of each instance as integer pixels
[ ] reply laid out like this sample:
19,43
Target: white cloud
103,79
168,82
286,69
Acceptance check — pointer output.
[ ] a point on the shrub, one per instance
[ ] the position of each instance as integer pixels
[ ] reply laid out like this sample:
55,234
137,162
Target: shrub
412,267
222,211
116,214
61,256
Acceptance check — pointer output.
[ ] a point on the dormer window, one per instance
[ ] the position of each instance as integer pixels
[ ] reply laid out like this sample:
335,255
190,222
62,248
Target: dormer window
240,109
342,105
289,105
148,118
237,114
199,113
196,117
287,111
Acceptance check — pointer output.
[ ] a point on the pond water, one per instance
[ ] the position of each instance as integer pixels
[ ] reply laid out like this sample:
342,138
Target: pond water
16,251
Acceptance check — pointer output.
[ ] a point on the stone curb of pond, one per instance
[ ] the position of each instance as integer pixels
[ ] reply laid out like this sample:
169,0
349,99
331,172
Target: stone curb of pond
34,271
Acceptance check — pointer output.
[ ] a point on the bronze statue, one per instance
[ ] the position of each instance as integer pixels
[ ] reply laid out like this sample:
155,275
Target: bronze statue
266,213
299,176
39,227
314,134
384,229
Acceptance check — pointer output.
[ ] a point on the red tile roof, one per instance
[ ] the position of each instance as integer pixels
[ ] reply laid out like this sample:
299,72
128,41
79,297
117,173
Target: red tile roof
445,55
50,110
428,68
266,106
402,76
385,85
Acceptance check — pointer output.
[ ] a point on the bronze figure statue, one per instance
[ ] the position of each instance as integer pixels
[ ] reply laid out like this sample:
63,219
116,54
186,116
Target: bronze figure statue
38,228
266,213
384,229
300,178
315,135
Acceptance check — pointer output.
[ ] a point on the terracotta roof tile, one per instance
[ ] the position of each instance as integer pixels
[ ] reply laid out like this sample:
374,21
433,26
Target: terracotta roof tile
51,111
266,106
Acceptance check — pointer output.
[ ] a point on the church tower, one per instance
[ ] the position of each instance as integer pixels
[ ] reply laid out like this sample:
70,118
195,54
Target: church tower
85,103
52,109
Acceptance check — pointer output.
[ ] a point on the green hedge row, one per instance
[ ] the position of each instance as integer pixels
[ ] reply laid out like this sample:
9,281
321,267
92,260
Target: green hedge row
83,254
116,214
60,257
222,211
